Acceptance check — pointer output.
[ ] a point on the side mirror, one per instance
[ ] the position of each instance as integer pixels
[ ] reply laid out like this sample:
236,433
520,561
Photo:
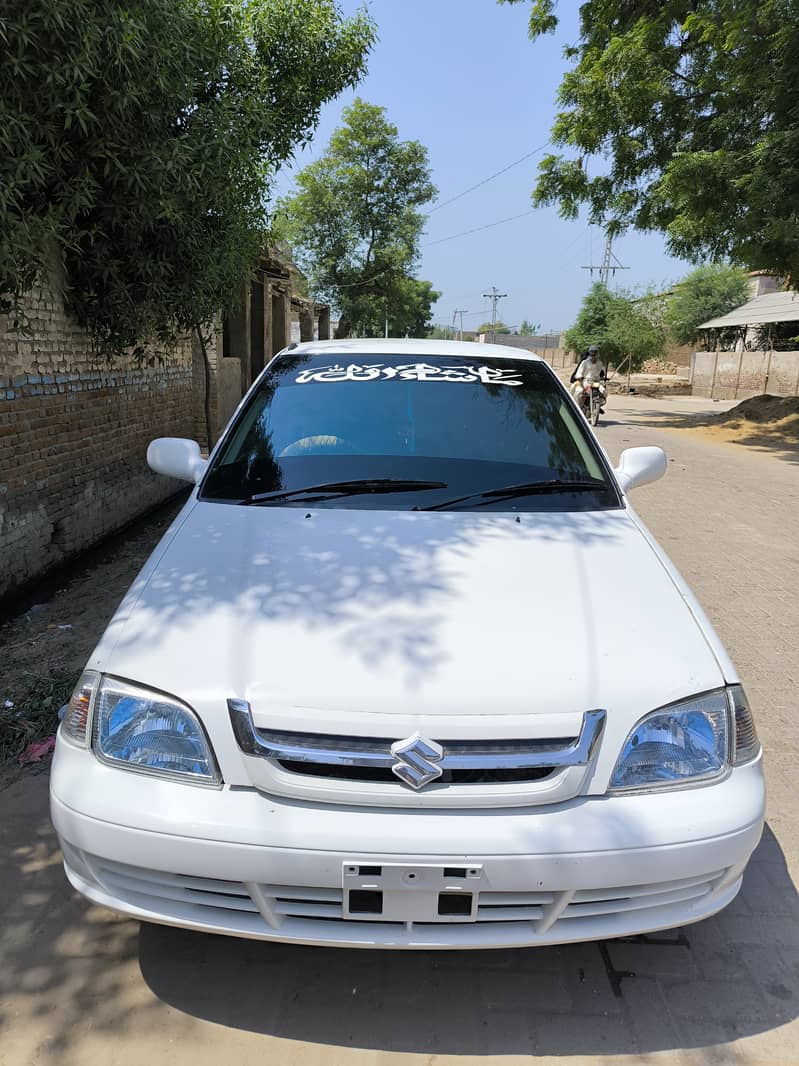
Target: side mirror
177,457
640,466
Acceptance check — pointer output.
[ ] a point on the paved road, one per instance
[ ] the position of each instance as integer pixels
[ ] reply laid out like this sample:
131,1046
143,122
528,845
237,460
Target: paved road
79,985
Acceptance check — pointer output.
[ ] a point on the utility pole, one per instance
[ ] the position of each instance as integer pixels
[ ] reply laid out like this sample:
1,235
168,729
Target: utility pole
494,296
608,266
461,312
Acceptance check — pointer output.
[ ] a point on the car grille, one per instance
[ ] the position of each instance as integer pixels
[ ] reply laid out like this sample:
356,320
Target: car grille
484,776
286,909
391,763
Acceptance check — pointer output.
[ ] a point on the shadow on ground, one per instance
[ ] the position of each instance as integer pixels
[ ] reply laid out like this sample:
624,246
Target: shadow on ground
694,990
71,972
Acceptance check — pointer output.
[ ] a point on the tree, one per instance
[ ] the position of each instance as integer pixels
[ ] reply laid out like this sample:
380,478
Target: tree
137,143
498,327
692,107
528,329
354,224
593,325
636,329
442,333
624,326
707,292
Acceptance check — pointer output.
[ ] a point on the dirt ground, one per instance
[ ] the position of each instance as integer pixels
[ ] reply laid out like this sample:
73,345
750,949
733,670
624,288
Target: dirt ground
765,424
47,636
761,421
79,985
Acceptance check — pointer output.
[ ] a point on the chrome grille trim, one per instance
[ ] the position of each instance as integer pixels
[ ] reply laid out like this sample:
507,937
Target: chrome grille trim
375,752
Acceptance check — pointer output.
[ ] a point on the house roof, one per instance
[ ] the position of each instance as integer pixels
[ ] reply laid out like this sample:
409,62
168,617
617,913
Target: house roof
770,307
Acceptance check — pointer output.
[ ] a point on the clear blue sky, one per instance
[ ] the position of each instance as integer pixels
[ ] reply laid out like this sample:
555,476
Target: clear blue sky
462,77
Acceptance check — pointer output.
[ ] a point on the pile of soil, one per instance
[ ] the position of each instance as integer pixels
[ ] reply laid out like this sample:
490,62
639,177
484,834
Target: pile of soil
767,423
761,409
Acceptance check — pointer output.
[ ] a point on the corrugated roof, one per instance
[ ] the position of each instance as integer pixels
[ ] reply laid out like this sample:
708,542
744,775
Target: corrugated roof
770,307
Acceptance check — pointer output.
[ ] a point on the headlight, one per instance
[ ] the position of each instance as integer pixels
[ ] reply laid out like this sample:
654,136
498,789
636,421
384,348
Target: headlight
138,729
686,743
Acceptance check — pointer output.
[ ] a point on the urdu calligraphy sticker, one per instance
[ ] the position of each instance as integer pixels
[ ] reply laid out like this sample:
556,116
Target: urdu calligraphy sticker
461,373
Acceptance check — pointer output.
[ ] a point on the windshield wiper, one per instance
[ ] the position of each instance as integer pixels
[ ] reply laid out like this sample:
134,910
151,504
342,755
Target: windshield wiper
529,488
346,488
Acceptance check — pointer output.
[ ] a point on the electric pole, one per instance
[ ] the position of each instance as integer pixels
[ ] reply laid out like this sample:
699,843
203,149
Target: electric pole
608,266
461,312
494,296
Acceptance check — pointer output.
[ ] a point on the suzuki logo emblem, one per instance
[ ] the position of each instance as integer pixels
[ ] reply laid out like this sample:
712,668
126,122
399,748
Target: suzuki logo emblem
416,760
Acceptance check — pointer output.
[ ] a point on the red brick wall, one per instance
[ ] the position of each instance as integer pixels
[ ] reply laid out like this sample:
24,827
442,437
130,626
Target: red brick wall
73,436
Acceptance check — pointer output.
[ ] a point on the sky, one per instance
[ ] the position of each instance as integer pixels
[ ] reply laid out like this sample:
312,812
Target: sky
463,77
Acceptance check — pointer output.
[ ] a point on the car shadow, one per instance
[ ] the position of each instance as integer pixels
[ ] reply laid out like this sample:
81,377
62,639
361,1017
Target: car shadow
728,977
73,974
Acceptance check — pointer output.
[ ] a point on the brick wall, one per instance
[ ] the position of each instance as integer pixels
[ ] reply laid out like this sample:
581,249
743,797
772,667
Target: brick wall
73,436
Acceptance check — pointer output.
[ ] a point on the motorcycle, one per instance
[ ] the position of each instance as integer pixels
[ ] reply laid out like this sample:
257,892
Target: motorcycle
592,400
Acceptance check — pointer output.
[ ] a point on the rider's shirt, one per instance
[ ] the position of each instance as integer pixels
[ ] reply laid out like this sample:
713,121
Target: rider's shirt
589,371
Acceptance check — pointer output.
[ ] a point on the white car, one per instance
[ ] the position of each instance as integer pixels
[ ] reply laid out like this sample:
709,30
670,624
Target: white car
408,671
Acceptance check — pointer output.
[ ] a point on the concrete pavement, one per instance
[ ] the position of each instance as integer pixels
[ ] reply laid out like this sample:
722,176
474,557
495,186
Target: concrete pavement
80,985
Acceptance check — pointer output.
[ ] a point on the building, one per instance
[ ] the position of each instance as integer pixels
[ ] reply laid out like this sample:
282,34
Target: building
753,349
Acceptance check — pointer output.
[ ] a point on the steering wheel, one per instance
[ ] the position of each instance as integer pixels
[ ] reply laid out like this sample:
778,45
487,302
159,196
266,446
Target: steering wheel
319,444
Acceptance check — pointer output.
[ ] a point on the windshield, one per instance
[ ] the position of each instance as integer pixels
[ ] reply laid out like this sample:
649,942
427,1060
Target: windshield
389,432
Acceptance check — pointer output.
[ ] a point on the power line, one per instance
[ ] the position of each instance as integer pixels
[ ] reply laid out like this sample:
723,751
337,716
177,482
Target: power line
477,229
490,177
360,284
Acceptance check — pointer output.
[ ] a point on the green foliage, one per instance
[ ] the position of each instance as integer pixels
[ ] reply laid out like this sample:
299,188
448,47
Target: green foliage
442,333
34,710
542,16
636,328
528,329
137,142
499,327
354,224
705,293
622,325
592,325
692,108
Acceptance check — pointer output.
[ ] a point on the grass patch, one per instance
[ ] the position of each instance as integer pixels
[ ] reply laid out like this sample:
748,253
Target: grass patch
35,711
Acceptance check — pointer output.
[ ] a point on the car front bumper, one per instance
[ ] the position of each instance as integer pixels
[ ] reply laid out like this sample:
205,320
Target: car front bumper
237,862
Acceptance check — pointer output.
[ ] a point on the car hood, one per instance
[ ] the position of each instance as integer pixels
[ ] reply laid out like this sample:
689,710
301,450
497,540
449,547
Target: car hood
329,616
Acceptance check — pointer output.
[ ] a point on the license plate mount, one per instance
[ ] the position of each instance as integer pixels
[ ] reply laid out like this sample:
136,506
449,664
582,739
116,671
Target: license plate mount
392,892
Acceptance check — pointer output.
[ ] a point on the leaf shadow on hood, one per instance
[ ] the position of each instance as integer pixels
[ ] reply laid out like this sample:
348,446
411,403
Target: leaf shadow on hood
376,583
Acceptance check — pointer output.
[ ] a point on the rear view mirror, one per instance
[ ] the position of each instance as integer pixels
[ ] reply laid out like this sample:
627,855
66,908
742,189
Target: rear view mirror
176,457
640,466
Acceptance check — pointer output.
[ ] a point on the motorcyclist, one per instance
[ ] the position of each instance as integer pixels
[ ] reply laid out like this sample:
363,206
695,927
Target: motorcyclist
590,370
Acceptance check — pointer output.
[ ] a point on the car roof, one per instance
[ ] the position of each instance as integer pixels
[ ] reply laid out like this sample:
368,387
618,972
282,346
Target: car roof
430,349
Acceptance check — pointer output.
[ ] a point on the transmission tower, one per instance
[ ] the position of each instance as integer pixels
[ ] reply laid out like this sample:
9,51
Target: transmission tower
608,265
494,296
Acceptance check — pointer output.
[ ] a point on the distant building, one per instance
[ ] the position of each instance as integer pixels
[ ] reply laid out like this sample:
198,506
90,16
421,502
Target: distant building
550,346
